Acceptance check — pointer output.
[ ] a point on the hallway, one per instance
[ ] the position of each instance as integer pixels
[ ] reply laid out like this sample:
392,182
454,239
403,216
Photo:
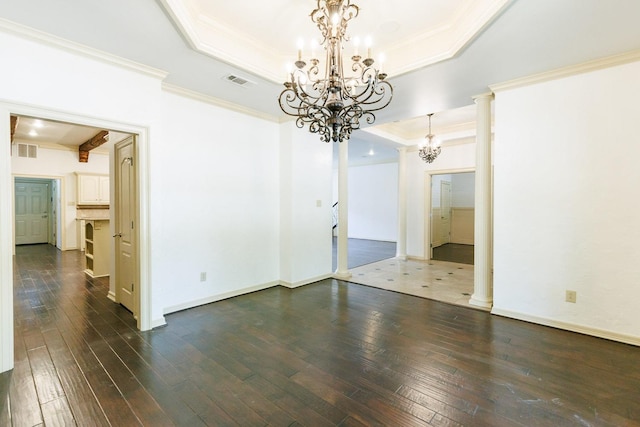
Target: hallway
373,263
330,353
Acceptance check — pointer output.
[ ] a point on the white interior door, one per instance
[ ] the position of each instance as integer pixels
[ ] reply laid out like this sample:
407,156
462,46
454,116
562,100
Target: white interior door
445,211
125,223
32,212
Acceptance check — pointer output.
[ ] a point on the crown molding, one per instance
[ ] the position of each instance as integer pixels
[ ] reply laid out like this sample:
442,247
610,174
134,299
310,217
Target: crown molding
77,48
390,135
572,70
446,41
180,91
448,143
207,35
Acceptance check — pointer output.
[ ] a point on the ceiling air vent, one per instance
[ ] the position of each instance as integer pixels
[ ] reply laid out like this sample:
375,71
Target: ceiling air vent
240,81
28,150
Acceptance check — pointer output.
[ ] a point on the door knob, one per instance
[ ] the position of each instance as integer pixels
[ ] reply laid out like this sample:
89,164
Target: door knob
117,235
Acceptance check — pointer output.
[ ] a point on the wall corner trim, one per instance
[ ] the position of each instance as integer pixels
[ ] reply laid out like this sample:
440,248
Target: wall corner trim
305,282
573,327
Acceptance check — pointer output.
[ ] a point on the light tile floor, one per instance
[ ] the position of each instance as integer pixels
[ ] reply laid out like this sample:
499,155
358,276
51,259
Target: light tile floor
438,280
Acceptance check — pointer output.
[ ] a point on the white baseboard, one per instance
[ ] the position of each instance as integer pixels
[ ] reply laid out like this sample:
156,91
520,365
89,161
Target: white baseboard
417,258
112,296
587,330
156,323
305,282
462,241
219,297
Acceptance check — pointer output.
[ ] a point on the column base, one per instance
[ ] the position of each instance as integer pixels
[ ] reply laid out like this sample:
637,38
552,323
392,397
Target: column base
401,257
342,275
481,302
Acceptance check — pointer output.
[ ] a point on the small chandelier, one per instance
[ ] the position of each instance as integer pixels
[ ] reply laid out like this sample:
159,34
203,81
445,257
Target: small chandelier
334,104
431,148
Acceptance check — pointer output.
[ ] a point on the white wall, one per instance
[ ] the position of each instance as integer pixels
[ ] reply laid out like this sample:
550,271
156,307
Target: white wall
566,202
436,188
52,163
463,190
215,203
373,202
213,180
305,165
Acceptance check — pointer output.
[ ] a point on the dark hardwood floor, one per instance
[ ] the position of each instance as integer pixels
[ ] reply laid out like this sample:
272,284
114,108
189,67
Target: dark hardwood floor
330,353
362,252
454,252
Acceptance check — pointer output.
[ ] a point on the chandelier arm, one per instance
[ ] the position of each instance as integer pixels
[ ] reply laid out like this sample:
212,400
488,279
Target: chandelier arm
334,105
373,86
381,93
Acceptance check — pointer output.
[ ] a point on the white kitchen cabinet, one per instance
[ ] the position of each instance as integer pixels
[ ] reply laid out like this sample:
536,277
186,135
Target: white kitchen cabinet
93,189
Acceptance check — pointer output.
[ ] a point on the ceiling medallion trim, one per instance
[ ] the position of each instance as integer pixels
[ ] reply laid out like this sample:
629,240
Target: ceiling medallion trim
217,39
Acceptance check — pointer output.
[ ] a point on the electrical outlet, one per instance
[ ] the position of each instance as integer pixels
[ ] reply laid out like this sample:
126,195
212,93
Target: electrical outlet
571,296
203,276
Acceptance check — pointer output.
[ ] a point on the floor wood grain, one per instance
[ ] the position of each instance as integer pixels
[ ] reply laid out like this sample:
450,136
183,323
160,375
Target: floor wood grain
326,354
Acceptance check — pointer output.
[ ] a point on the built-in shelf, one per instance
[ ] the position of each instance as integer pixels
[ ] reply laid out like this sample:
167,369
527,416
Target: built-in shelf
97,248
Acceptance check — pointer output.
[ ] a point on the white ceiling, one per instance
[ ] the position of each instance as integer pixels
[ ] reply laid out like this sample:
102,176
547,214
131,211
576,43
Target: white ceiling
59,135
525,37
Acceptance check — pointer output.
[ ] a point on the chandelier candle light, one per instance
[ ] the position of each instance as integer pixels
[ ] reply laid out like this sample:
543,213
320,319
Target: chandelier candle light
431,148
334,104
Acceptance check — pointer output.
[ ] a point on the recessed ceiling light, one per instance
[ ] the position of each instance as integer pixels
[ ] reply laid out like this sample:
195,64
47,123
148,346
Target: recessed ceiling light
38,123
33,132
371,153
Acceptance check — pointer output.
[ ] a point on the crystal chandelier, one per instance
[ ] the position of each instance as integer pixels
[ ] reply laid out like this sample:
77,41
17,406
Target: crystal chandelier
334,104
431,148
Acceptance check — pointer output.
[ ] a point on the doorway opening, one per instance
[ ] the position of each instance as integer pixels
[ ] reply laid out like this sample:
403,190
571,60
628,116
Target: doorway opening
89,162
452,210
62,231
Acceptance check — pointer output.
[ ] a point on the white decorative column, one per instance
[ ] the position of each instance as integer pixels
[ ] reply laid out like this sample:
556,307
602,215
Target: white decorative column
342,271
483,254
401,244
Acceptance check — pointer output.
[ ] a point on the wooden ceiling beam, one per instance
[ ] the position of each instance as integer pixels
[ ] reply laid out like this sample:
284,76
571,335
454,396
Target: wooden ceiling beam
14,125
96,141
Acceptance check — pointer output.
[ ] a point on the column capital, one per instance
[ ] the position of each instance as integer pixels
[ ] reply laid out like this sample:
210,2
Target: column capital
402,149
483,96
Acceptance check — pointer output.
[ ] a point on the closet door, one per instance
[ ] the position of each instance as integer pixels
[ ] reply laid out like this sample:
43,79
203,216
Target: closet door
32,212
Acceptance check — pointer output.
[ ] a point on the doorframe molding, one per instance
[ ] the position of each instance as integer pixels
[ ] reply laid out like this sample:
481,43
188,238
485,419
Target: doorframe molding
428,176
6,204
